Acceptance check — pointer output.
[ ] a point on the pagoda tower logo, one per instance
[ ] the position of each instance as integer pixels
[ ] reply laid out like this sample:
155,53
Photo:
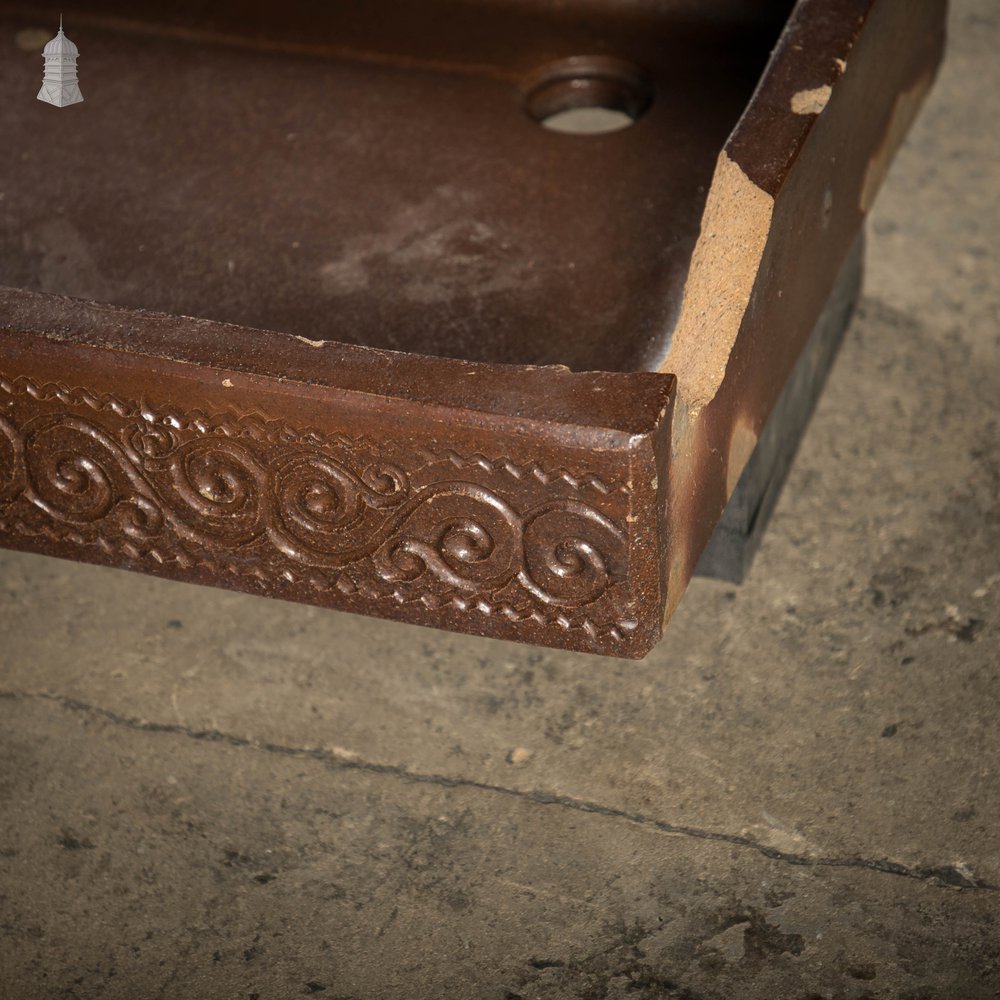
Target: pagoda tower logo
59,84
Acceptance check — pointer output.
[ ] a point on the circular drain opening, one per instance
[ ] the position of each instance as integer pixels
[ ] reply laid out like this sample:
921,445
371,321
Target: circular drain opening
588,95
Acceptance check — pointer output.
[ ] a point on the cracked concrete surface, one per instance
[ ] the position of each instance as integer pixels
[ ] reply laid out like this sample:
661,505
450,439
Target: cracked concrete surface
953,875
205,794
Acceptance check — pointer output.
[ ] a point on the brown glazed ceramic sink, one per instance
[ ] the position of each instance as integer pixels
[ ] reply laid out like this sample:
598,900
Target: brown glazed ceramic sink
315,302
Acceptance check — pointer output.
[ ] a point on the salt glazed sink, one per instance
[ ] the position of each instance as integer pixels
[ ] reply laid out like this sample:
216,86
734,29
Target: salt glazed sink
376,305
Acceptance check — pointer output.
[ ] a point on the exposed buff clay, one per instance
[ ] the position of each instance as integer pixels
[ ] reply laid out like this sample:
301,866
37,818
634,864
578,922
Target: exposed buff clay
811,102
734,230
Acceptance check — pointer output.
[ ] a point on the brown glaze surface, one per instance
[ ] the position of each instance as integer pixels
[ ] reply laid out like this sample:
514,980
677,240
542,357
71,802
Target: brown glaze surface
370,192
533,521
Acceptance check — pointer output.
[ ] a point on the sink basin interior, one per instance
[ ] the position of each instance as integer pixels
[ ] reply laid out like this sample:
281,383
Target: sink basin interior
371,173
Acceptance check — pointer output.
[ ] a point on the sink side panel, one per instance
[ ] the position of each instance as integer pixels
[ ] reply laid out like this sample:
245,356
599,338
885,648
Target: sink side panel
360,499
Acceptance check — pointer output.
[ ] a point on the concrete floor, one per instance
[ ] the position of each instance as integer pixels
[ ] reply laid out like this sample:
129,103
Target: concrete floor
797,795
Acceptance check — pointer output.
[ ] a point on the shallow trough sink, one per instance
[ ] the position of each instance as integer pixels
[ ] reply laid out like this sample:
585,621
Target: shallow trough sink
467,313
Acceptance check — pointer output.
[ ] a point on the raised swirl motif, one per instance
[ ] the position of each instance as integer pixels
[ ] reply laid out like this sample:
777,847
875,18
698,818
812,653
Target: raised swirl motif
320,504
305,507
216,488
572,553
385,486
468,537
317,498
71,465
140,518
152,440
460,533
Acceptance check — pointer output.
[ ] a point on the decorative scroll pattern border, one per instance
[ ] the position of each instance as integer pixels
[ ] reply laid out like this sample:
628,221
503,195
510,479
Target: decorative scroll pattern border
230,493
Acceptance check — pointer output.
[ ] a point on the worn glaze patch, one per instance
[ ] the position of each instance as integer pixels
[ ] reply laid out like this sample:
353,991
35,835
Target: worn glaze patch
811,102
734,230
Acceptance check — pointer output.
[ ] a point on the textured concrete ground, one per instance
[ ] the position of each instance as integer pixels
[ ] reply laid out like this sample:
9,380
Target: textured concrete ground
796,796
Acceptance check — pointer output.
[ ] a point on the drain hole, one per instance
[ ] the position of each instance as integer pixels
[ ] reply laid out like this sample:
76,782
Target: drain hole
588,95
